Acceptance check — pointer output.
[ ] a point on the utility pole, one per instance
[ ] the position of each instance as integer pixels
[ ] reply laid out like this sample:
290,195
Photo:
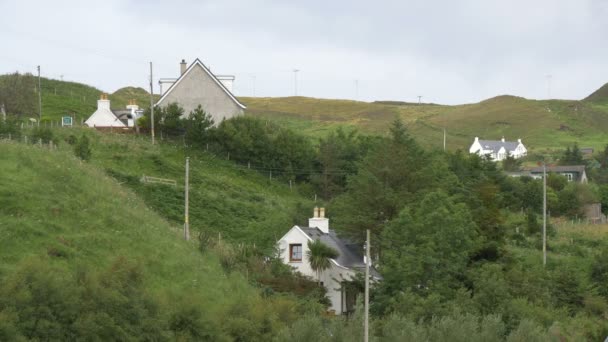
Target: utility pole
151,105
419,99
367,262
39,98
295,81
187,188
444,138
544,214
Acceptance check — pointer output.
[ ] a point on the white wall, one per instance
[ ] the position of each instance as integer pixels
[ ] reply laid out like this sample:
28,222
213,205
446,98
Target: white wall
331,278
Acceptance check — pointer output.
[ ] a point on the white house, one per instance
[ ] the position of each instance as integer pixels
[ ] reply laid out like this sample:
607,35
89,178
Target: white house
294,249
106,117
498,149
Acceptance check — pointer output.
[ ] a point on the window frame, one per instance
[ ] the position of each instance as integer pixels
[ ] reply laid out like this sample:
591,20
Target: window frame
291,246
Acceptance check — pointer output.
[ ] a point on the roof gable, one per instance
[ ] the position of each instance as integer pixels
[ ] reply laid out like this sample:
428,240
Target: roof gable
200,64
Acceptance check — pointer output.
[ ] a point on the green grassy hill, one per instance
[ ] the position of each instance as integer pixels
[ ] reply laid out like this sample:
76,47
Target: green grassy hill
76,227
61,98
243,205
542,124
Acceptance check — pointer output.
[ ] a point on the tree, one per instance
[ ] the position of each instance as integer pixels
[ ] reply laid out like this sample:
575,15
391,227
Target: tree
427,247
82,148
572,156
197,126
318,256
18,94
395,173
511,164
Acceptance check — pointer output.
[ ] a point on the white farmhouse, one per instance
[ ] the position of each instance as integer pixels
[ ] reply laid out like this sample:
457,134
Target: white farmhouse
294,249
105,117
498,149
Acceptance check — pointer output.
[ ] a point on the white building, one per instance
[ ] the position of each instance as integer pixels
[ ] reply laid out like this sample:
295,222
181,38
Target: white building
106,117
294,250
498,149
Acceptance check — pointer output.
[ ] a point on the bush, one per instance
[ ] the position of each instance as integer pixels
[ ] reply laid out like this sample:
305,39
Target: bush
82,148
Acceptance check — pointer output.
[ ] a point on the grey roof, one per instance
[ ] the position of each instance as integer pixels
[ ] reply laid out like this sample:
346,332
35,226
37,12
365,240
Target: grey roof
561,168
349,254
495,145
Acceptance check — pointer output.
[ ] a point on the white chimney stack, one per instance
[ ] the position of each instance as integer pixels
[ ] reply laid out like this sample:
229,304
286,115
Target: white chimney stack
103,102
319,220
182,67
503,139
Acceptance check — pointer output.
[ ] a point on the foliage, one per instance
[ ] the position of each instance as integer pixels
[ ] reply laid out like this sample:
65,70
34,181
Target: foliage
511,164
82,148
198,127
319,255
427,247
18,93
572,156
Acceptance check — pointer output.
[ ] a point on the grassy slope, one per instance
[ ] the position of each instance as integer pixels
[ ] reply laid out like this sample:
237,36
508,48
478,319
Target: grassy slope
61,98
241,204
50,201
541,124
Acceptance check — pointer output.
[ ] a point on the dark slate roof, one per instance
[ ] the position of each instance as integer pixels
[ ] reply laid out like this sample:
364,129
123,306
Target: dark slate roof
123,115
495,145
559,169
349,254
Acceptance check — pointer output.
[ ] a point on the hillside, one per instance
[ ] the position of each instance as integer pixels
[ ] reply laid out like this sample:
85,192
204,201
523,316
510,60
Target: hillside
599,96
61,98
61,219
241,204
542,124
97,253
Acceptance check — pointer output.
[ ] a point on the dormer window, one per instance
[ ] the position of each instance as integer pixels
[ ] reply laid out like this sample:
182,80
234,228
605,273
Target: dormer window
295,252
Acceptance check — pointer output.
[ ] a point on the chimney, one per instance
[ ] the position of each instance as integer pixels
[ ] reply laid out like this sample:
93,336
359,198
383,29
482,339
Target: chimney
132,105
519,141
103,102
476,138
182,67
503,139
319,220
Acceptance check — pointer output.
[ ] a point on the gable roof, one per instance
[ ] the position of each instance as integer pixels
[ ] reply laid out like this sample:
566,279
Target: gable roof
560,168
495,145
350,255
213,77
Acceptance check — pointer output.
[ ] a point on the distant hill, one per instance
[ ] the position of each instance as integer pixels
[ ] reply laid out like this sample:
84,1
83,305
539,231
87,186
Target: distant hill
599,96
541,124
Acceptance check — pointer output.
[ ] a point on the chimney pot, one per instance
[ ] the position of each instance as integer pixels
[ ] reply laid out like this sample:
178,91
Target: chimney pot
315,213
503,139
322,212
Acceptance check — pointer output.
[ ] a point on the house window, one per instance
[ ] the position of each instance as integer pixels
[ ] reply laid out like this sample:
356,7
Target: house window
295,252
569,176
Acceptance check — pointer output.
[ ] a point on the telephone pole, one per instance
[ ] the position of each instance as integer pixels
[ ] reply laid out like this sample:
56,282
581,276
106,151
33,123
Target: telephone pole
367,262
444,139
544,214
187,190
419,98
151,105
39,98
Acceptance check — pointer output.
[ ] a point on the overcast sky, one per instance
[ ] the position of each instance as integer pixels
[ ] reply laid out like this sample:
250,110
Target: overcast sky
447,51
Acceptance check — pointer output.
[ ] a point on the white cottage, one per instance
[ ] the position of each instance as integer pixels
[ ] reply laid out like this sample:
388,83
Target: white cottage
294,250
498,149
106,117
